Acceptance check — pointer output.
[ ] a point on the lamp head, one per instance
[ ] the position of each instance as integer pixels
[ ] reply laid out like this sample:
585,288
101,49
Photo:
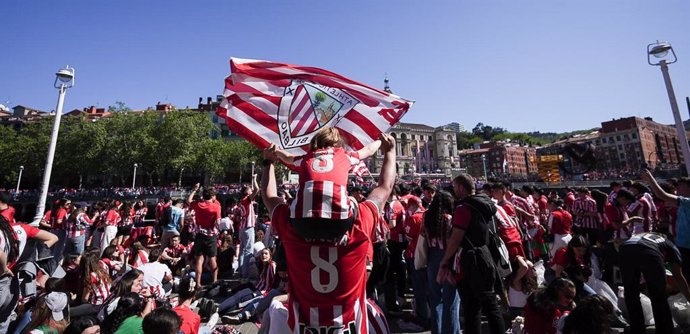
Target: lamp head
136,165
64,77
21,167
660,50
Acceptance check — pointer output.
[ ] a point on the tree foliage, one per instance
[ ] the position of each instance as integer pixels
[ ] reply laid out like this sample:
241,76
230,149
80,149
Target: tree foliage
103,152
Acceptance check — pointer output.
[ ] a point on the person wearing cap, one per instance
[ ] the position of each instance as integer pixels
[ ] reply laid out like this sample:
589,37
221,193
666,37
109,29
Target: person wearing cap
48,315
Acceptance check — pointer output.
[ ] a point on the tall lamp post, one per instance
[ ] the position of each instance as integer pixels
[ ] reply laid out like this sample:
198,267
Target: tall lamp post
484,165
19,180
64,79
134,178
660,51
179,182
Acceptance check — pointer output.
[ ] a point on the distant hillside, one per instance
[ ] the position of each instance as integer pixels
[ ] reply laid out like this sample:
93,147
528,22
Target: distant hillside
483,132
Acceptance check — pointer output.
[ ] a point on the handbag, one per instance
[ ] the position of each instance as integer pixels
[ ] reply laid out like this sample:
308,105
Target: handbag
420,253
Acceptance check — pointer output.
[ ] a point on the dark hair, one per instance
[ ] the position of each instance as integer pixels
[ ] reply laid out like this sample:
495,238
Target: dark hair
403,189
108,252
187,289
78,325
545,300
465,180
10,238
4,197
124,286
557,202
429,187
162,321
155,254
129,305
208,193
615,184
601,198
624,193
434,218
593,314
55,285
574,268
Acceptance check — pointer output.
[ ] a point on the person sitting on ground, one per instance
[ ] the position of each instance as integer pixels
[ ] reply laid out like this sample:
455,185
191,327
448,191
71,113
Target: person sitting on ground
112,260
174,255
191,321
162,321
95,280
131,281
266,280
323,173
48,316
226,255
593,314
138,254
128,316
157,276
545,307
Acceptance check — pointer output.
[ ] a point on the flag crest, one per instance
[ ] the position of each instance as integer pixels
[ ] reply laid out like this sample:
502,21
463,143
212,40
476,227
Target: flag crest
274,103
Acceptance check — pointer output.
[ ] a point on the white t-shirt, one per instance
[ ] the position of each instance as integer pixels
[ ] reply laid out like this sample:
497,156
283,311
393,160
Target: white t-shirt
225,224
154,273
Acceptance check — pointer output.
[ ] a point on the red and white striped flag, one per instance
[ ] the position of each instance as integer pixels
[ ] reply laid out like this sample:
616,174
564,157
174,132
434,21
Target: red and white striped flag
360,169
273,103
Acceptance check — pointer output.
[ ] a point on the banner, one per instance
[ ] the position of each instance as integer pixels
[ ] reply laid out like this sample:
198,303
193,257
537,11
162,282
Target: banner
274,103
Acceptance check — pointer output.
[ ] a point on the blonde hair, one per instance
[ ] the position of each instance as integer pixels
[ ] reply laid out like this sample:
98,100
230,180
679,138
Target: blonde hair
326,137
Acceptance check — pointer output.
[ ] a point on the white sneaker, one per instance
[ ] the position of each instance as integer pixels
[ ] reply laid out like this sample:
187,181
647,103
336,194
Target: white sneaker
213,320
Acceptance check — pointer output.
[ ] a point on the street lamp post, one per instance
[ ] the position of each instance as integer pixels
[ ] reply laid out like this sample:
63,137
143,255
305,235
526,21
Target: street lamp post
134,178
64,79
660,50
484,165
19,180
253,164
179,182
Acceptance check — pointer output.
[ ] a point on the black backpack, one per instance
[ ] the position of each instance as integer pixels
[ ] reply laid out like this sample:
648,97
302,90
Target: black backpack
166,217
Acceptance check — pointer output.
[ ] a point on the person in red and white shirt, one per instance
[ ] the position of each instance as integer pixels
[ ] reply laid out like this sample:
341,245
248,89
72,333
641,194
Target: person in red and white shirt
560,225
245,210
57,223
585,215
112,220
322,208
95,280
207,213
394,214
76,226
331,276
640,208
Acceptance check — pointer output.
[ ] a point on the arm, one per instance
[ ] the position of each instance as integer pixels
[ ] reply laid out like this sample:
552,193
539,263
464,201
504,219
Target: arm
48,238
369,150
387,178
284,156
452,247
190,198
669,199
255,187
269,191
3,265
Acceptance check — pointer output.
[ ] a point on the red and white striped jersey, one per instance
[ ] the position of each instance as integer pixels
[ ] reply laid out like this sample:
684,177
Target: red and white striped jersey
377,319
112,218
395,212
22,232
245,209
331,278
582,206
641,208
523,204
77,227
100,290
323,184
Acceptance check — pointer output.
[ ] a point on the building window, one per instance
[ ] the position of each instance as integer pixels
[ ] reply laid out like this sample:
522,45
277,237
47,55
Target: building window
634,136
618,138
620,147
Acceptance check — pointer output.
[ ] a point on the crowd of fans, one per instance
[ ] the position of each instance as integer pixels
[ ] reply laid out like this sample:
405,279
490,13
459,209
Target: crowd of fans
529,261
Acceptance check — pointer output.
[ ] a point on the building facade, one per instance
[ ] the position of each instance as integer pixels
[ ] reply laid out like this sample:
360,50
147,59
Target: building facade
421,149
500,159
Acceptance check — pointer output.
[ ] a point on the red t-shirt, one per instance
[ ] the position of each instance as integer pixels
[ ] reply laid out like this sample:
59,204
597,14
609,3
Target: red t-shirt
207,214
190,320
245,210
413,225
540,323
323,184
462,217
561,222
8,214
58,222
395,211
331,278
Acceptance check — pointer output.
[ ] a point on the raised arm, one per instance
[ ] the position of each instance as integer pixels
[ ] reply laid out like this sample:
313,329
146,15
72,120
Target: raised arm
190,198
283,155
269,191
669,199
369,150
387,178
255,187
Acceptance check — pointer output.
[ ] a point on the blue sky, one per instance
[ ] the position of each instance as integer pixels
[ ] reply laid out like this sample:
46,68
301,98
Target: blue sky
523,65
